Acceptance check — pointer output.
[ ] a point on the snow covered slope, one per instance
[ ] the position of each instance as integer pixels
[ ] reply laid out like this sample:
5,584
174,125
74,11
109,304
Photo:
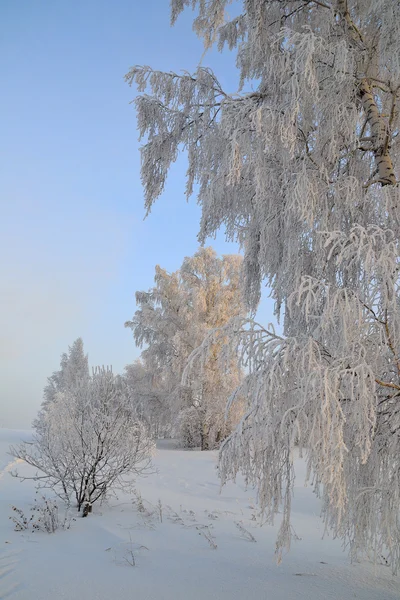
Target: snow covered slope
170,535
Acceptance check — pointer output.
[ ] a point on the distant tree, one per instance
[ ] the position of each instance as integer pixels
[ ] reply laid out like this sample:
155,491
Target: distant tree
74,367
147,396
301,166
172,320
88,441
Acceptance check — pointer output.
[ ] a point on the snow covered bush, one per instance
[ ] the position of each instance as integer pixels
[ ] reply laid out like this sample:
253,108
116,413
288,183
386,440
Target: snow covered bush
301,167
190,428
88,441
45,516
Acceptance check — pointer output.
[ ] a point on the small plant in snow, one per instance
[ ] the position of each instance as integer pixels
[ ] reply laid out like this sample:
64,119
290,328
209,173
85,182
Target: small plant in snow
294,534
147,511
245,533
138,501
21,523
160,510
189,513
206,533
129,555
125,555
174,517
48,517
44,517
144,507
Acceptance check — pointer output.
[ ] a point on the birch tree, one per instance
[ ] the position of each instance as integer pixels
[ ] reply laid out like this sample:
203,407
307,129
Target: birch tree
172,320
301,167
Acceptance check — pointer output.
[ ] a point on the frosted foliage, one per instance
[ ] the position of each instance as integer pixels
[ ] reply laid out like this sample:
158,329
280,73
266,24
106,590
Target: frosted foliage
172,320
73,367
147,395
190,427
301,166
88,442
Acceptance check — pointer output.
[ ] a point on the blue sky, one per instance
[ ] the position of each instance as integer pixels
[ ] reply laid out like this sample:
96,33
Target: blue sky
74,245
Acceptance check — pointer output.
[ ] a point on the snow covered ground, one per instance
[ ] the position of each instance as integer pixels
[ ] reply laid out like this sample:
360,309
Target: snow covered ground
173,558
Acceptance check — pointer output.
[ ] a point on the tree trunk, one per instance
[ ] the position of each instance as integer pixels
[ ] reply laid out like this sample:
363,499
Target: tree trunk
379,135
218,436
204,436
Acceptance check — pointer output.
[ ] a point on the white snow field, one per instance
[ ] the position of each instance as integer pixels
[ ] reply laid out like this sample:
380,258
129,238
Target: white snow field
173,559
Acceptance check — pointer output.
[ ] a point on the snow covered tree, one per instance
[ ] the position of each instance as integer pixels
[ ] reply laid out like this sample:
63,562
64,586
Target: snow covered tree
88,441
74,367
147,396
301,166
172,320
214,288
159,325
